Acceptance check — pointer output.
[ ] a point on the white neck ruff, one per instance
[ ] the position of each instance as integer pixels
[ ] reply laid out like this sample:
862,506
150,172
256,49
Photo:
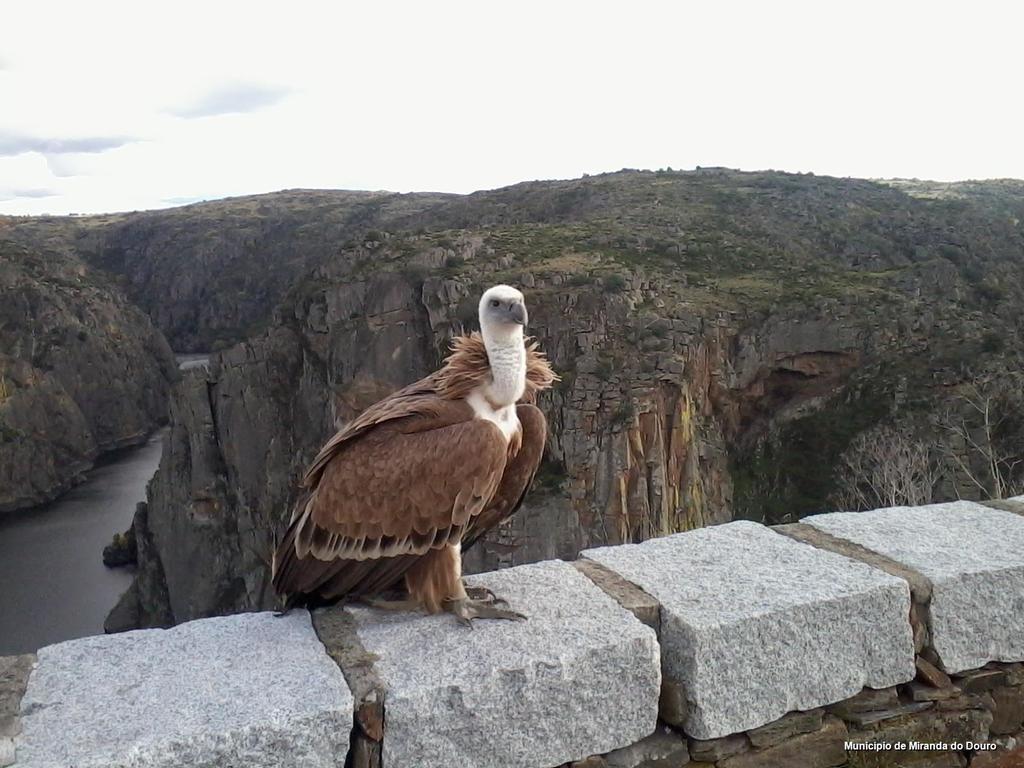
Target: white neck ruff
507,358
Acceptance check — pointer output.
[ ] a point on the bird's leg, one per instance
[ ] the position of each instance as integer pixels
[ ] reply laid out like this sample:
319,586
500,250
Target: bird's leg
483,594
285,607
465,609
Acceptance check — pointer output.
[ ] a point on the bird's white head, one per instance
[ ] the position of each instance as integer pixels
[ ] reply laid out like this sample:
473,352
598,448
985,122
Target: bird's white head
502,315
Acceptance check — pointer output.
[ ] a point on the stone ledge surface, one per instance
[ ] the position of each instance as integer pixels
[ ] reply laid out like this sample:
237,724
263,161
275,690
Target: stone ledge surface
247,690
755,624
974,557
580,677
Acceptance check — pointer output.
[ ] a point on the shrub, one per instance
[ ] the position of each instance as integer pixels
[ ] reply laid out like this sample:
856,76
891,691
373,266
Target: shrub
624,414
993,341
614,284
990,292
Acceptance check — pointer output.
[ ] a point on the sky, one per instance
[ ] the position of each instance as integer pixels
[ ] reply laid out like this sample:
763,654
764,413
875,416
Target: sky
109,106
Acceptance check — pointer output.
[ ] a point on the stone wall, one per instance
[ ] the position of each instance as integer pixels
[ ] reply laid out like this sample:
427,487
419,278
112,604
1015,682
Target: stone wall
888,638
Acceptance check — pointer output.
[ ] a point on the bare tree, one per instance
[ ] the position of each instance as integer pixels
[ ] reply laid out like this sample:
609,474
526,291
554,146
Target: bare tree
985,431
886,467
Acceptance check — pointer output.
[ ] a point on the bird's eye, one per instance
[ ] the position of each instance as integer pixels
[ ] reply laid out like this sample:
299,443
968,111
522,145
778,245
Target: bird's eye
495,303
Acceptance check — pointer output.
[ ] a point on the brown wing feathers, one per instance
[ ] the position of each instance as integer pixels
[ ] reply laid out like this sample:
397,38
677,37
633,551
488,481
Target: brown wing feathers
516,479
411,474
393,492
401,489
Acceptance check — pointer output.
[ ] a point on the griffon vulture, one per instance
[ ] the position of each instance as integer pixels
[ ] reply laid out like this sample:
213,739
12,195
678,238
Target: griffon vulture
405,486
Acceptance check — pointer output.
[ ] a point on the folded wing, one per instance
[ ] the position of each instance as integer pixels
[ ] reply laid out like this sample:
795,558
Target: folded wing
516,479
382,494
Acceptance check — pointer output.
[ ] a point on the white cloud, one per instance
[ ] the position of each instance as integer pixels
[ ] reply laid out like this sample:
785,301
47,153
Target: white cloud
13,144
15,193
233,98
460,96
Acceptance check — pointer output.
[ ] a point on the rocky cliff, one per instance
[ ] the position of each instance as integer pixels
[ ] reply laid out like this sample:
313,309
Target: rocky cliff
705,377
722,339
208,274
82,371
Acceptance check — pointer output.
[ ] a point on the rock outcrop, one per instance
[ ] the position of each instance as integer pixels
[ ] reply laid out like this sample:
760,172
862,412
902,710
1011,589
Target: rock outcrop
82,371
209,274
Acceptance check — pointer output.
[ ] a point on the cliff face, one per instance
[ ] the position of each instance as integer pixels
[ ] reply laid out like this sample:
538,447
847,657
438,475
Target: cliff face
656,393
722,337
81,371
209,274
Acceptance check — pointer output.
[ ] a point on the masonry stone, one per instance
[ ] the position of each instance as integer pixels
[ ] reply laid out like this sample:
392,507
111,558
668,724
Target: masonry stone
579,677
253,690
14,674
755,624
974,557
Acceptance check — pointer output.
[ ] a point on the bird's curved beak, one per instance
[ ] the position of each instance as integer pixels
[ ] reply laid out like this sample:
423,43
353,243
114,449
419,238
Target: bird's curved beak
517,312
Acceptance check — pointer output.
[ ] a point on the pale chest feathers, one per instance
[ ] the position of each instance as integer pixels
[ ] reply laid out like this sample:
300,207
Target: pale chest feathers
503,416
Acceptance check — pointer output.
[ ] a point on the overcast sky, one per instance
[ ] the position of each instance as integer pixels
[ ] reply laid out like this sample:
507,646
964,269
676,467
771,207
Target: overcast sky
122,106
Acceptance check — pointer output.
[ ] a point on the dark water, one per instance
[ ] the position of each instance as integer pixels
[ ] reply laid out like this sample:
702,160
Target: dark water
53,584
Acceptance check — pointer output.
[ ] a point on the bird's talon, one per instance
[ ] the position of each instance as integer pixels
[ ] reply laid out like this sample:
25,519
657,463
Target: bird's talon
482,594
467,609
485,595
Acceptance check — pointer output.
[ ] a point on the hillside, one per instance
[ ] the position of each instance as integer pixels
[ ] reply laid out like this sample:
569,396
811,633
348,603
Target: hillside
82,371
723,338
209,274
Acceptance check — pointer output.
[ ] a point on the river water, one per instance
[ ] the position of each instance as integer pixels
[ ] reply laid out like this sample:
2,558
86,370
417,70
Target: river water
53,584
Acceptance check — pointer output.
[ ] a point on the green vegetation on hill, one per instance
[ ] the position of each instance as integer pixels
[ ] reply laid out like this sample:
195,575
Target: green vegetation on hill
211,272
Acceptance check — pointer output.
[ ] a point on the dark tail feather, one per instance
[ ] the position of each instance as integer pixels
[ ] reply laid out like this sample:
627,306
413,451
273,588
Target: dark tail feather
310,582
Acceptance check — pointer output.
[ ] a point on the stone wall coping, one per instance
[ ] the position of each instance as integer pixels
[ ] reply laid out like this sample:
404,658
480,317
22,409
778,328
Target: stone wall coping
973,557
694,646
755,624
